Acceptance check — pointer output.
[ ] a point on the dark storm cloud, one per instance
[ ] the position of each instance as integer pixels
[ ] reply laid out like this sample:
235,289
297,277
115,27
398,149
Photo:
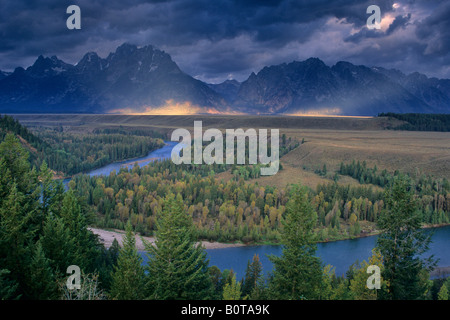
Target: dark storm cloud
416,40
436,29
399,22
217,39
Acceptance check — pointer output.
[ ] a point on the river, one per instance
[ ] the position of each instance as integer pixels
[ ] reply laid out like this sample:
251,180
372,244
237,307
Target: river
339,254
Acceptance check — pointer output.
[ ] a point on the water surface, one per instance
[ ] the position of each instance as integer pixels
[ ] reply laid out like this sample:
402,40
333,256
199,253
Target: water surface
340,254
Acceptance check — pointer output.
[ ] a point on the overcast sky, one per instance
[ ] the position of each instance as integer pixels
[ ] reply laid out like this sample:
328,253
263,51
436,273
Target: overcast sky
215,40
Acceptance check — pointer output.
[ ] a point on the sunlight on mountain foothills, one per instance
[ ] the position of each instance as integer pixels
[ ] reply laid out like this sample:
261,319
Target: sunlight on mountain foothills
172,108
325,112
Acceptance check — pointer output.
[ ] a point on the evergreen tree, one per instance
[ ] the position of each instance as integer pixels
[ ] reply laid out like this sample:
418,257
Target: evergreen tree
42,230
402,242
87,247
41,284
52,192
106,263
8,287
177,267
128,276
16,238
15,168
443,293
19,204
232,291
342,291
216,278
253,274
260,292
58,245
297,272
327,288
114,251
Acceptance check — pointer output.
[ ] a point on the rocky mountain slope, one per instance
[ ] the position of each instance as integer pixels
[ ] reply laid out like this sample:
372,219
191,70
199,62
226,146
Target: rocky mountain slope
346,89
144,78
131,77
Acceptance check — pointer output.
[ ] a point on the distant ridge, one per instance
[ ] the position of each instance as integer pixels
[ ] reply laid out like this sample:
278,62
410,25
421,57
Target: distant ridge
131,77
343,89
142,80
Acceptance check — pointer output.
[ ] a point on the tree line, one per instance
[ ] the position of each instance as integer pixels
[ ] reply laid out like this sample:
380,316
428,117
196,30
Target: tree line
71,153
434,193
420,121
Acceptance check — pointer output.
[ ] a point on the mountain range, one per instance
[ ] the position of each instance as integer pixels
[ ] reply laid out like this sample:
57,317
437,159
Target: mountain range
143,79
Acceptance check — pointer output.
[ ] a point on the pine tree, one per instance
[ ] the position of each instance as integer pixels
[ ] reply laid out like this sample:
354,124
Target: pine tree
342,291
297,272
42,230
443,292
15,167
128,276
402,242
114,250
232,291
16,238
19,204
177,267
329,275
52,191
8,287
216,278
253,274
58,245
106,264
86,243
42,283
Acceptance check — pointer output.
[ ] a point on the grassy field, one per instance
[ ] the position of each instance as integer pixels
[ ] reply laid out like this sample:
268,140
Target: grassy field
406,151
328,140
90,122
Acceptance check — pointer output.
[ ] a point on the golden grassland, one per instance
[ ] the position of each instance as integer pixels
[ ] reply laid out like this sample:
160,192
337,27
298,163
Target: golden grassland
406,151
